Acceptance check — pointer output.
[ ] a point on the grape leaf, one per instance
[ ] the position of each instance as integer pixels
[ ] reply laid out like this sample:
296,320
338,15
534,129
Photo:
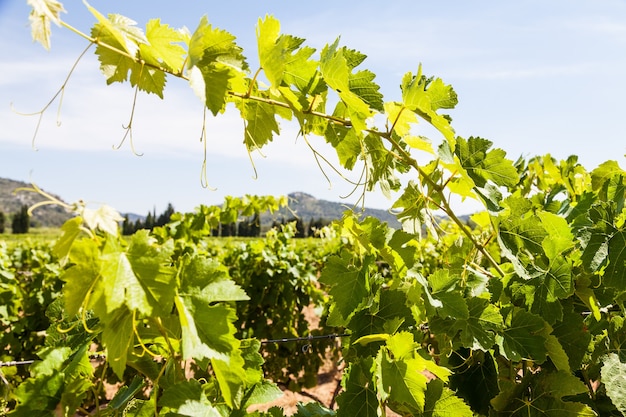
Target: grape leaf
83,286
522,339
71,230
440,401
120,33
425,100
359,395
400,118
273,49
220,60
572,336
260,123
546,399
615,273
117,337
163,48
43,12
104,218
140,408
349,284
484,165
402,383
337,74
605,172
150,265
207,330
613,371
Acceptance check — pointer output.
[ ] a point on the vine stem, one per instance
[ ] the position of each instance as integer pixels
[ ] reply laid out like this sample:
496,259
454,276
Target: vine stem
341,121
445,204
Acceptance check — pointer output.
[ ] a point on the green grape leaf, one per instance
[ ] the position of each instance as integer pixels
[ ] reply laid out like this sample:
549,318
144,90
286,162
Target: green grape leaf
605,172
117,337
484,165
440,401
523,339
83,287
334,67
121,285
42,14
151,270
475,380
117,31
187,398
400,118
613,371
71,230
120,33
125,394
148,79
37,396
231,377
520,235
260,124
359,396
547,390
206,278
560,237
207,330
572,336
615,273
219,60
346,142
402,383
273,49
163,48
349,284
262,392
313,409
362,84
483,322
426,98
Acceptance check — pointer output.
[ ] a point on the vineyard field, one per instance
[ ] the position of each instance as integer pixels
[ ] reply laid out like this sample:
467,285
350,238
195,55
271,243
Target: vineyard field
518,311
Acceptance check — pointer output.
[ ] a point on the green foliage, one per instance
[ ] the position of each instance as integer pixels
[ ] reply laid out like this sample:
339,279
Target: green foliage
520,312
280,277
21,221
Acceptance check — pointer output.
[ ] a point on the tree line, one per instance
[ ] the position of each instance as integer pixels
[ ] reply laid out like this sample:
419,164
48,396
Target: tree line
20,221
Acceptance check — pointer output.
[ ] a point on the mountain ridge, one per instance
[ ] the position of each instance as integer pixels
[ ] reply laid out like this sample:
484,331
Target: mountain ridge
305,206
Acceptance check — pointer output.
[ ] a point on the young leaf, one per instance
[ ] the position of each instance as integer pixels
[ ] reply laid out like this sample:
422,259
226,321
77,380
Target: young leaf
163,48
214,52
43,12
425,101
484,165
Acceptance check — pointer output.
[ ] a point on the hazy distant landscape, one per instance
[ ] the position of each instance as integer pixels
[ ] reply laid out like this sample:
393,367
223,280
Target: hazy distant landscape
301,204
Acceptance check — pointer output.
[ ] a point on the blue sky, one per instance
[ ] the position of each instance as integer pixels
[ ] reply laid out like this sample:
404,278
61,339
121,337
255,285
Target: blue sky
534,77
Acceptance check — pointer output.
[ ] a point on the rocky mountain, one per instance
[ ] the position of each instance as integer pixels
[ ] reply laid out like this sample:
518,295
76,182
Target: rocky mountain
307,207
303,205
11,201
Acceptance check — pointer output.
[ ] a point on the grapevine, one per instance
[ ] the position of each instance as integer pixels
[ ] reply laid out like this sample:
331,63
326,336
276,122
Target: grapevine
518,311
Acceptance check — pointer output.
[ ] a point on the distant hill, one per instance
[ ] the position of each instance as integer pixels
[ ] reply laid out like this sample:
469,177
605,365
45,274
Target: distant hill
307,207
11,202
303,205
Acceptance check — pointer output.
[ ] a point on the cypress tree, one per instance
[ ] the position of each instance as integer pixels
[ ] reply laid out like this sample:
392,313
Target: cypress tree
21,221
2,221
